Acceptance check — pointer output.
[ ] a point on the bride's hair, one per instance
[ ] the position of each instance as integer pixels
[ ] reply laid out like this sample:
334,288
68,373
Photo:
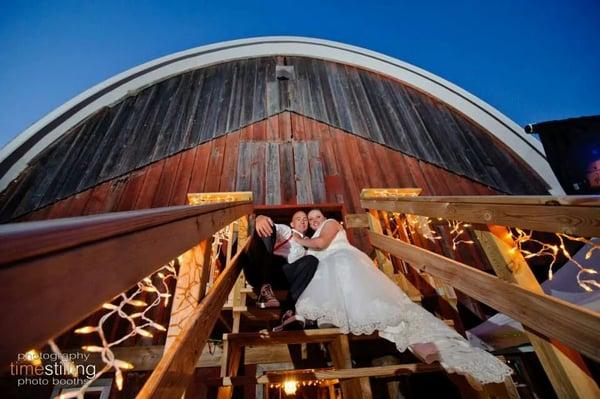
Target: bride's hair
316,210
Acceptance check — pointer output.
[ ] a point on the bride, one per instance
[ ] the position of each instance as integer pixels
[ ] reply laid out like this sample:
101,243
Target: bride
349,292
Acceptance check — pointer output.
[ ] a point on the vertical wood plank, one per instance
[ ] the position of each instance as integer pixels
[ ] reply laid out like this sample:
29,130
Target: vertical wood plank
182,177
302,174
215,165
166,181
228,176
287,173
317,180
257,172
273,176
146,194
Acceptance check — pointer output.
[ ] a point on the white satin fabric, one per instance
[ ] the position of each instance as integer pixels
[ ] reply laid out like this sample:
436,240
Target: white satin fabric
350,292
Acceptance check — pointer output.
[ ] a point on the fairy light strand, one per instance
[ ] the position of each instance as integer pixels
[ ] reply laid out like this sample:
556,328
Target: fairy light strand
138,320
422,225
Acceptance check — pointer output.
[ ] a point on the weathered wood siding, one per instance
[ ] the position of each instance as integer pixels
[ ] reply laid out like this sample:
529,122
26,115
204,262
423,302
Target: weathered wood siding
286,159
179,113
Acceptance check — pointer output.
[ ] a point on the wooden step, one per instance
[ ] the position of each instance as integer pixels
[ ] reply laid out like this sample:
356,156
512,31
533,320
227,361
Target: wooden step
331,373
278,377
265,337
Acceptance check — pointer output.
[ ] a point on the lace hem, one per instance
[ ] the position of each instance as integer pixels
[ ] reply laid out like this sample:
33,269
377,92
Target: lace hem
418,327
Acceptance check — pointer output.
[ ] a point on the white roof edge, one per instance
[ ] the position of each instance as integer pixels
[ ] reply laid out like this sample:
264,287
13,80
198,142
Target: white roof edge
507,131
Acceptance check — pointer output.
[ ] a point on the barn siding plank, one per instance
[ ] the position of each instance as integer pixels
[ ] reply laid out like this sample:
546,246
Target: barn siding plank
228,175
257,171
166,181
215,165
182,179
301,168
317,179
287,173
244,165
273,175
151,177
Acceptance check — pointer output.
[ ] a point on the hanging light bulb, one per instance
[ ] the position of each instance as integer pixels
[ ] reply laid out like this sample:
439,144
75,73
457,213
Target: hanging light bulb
289,387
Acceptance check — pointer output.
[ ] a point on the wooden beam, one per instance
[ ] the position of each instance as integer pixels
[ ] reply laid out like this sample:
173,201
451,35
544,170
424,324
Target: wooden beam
565,368
265,337
341,374
575,200
357,387
356,220
204,198
146,358
230,363
384,262
545,314
90,260
174,372
204,252
192,266
22,241
570,219
377,193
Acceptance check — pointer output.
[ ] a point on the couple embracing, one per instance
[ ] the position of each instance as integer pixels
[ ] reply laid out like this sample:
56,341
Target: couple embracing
333,283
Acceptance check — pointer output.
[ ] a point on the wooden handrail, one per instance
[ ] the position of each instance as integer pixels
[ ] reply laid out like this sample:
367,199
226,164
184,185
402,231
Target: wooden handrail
573,325
176,368
58,272
19,241
570,215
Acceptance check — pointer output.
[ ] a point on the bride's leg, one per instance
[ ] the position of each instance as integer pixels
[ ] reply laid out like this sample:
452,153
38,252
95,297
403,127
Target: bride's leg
427,352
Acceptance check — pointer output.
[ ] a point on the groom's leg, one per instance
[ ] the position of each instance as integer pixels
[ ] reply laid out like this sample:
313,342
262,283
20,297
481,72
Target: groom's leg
259,260
298,275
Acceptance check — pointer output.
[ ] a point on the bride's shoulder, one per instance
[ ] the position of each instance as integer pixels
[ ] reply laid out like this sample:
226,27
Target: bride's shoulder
333,222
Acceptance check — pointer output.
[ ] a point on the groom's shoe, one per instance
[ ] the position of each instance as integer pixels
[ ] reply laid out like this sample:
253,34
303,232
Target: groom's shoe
290,321
267,299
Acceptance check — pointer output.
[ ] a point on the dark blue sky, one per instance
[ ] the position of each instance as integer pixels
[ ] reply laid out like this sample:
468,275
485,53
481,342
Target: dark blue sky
533,60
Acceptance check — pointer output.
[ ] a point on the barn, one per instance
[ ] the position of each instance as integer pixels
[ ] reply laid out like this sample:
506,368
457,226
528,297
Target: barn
273,124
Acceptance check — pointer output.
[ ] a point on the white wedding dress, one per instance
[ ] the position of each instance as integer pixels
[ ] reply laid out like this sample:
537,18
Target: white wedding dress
350,292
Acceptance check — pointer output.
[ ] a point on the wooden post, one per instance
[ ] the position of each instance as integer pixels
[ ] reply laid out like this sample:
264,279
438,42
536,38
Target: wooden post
339,351
191,287
175,370
385,263
204,250
239,297
565,368
230,363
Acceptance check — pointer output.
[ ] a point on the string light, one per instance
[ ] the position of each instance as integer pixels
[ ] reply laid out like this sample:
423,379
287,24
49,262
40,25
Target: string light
422,225
552,251
139,324
290,387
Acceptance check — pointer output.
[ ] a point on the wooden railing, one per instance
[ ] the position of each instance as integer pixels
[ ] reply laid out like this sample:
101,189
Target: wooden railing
516,292
57,272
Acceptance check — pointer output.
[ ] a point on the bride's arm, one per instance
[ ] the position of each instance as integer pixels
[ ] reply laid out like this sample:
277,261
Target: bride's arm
327,235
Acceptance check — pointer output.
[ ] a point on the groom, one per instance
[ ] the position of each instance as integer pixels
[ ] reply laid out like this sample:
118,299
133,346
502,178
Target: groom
276,260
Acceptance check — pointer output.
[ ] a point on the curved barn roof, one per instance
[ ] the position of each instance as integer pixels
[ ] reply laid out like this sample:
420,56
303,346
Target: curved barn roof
17,154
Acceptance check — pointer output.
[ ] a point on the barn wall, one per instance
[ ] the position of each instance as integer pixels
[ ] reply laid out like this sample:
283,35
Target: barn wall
285,159
179,113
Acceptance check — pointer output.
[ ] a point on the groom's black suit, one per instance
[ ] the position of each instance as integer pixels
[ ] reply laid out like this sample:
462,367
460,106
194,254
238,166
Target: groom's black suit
262,266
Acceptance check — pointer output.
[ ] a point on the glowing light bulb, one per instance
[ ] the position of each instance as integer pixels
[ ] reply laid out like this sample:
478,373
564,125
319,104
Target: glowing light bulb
289,387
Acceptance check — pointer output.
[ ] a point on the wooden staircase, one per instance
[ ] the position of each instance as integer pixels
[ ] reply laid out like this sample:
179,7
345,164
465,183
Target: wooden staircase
84,256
